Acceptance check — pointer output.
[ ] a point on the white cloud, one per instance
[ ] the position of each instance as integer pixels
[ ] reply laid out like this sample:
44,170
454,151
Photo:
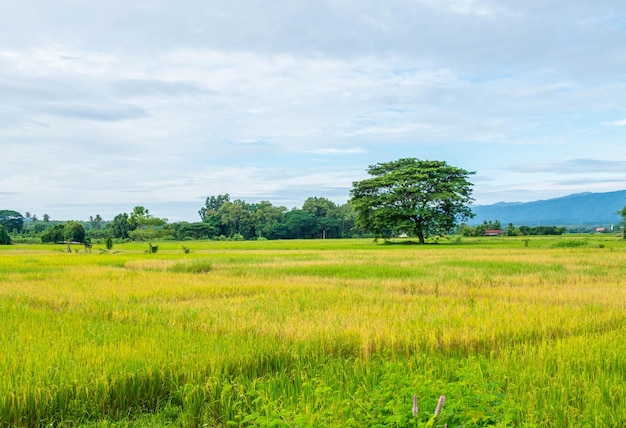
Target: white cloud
465,7
102,106
621,122
336,151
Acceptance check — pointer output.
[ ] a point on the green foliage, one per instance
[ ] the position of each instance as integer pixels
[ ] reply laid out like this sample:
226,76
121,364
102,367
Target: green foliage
109,243
479,230
570,243
146,226
418,197
212,205
5,239
278,231
74,231
96,222
198,230
263,216
327,214
54,234
300,224
319,207
622,213
542,230
318,218
236,218
120,227
11,220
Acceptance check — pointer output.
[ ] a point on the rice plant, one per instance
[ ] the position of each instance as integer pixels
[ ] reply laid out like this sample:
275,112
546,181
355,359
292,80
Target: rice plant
310,333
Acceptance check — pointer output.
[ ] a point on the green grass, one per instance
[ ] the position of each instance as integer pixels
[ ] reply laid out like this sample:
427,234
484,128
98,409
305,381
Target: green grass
315,333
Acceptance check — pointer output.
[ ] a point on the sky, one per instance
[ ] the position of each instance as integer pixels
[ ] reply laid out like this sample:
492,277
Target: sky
105,106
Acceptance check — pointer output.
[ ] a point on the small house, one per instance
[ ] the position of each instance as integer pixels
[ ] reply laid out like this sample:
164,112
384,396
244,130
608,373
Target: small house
493,232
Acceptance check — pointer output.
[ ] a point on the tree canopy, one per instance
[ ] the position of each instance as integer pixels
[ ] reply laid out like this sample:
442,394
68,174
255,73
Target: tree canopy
145,226
11,220
421,198
318,218
74,231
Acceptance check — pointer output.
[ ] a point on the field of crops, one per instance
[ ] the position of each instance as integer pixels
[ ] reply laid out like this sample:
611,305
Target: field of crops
340,333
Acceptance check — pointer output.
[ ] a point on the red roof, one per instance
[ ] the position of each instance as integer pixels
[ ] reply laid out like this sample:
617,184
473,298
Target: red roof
492,232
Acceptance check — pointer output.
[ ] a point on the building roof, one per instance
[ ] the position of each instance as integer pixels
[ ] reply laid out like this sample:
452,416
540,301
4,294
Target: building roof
493,232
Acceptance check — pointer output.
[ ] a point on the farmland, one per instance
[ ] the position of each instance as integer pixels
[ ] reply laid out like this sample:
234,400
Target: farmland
315,333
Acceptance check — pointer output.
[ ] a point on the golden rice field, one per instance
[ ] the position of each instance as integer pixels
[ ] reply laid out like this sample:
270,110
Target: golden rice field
316,334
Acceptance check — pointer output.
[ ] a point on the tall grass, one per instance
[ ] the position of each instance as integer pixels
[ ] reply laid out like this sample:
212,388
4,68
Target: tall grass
315,333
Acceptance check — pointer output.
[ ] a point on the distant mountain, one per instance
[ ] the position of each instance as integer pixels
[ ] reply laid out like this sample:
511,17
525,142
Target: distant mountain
579,208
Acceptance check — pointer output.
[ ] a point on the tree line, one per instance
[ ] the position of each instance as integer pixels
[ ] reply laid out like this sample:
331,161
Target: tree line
411,197
407,197
220,218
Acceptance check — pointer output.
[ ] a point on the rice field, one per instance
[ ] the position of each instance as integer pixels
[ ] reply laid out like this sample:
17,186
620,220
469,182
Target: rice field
341,333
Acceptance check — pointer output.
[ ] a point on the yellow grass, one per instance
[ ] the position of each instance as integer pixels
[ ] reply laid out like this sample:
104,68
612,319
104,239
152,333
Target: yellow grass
90,337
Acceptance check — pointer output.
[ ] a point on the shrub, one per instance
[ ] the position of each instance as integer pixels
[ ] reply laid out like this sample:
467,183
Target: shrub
570,244
197,266
5,239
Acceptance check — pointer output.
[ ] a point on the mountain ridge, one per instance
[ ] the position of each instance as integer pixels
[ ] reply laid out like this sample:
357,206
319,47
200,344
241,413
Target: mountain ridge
577,208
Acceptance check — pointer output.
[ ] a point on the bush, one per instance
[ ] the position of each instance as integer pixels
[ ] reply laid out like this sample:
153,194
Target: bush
197,266
570,244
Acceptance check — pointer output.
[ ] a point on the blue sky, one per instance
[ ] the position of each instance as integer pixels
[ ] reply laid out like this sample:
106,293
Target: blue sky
108,105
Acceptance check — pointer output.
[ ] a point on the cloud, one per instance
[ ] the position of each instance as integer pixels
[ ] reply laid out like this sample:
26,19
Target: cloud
575,166
138,88
173,101
621,122
106,114
336,151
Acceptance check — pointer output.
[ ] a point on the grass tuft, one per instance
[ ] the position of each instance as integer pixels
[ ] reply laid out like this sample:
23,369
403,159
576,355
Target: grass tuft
570,243
195,266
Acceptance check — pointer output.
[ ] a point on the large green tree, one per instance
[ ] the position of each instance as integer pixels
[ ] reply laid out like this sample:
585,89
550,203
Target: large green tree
212,205
264,216
419,197
236,218
327,215
300,224
74,231
145,226
120,227
11,220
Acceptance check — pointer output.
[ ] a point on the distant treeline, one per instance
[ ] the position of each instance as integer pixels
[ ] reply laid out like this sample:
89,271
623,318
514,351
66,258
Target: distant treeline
220,218
226,219
510,230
